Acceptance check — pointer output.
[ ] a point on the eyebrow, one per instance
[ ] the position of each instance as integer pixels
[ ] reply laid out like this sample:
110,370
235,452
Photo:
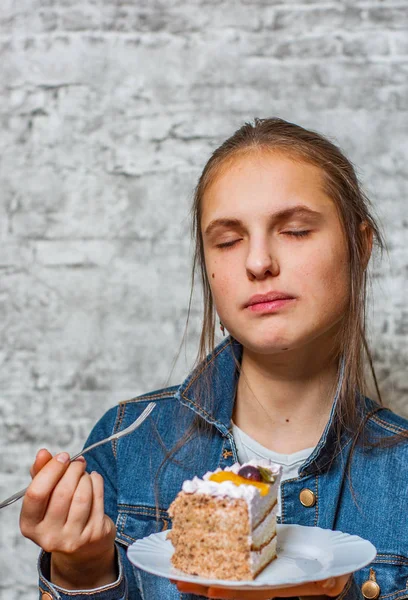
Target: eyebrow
281,215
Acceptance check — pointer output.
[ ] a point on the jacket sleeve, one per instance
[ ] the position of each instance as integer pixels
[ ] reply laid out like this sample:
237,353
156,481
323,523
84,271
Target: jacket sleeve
114,591
102,460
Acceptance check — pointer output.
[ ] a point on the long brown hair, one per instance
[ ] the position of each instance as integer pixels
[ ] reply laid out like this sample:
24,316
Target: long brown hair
356,216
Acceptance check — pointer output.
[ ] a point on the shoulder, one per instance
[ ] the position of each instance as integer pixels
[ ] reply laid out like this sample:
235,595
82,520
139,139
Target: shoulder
384,419
387,430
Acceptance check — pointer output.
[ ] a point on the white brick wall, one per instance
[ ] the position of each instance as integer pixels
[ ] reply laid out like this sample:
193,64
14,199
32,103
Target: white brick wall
108,110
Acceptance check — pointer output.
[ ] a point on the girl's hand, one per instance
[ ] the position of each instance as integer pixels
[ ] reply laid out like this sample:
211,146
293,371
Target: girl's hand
63,512
329,587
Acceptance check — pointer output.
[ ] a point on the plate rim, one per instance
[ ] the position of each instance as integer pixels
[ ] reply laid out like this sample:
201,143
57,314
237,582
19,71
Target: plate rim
178,575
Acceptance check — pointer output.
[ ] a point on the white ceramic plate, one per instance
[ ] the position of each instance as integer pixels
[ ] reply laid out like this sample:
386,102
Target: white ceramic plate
304,554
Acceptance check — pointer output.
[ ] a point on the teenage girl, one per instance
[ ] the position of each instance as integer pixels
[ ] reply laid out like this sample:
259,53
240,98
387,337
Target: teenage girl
283,236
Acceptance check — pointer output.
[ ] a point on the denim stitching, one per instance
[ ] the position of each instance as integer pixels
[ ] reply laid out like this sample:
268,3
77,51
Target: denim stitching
91,592
118,422
145,514
331,459
138,508
317,500
122,526
348,441
139,399
389,562
214,356
388,426
134,539
121,414
394,555
128,537
401,559
396,594
282,507
119,521
200,409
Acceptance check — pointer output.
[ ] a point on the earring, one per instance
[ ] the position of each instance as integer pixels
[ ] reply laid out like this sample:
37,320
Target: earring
222,329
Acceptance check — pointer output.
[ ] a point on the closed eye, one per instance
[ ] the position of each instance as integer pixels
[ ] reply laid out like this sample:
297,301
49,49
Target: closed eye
297,233
227,244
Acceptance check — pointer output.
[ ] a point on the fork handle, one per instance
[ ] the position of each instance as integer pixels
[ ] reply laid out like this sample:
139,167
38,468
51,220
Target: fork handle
13,498
91,447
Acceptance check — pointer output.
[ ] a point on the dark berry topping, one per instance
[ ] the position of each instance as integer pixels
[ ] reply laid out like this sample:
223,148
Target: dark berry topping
250,472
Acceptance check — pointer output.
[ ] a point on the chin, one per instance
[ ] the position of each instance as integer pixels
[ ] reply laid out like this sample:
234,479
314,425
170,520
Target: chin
265,344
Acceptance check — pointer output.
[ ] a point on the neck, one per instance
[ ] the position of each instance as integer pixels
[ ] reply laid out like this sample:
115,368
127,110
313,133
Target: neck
284,400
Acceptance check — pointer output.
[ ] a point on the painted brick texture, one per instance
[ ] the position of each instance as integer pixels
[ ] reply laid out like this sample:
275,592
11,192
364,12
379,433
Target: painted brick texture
108,112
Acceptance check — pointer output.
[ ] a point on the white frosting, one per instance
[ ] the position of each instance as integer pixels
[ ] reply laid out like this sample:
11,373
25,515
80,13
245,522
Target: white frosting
257,504
228,488
225,488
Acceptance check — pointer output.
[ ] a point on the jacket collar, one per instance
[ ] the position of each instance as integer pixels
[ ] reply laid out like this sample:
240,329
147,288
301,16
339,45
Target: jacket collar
210,392
210,388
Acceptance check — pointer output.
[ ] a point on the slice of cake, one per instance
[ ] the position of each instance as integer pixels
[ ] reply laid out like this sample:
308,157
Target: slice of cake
224,525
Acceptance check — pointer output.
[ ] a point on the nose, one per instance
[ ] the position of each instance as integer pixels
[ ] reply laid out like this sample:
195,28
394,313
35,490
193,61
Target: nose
260,262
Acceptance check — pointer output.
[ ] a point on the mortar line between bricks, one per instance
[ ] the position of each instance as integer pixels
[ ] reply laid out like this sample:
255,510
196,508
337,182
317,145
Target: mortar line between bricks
312,6
130,35
295,61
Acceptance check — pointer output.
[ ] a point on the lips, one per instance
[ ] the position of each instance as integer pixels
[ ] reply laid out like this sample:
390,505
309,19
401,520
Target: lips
268,297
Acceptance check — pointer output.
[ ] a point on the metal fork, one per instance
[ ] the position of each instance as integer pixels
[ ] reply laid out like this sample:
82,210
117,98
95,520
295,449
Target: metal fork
136,423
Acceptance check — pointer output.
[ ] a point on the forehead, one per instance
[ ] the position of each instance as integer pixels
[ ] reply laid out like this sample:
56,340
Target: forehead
263,182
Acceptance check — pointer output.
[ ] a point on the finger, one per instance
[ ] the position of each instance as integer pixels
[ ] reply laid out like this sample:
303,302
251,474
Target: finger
328,587
191,588
39,491
81,505
41,459
62,495
99,524
334,588
98,505
233,594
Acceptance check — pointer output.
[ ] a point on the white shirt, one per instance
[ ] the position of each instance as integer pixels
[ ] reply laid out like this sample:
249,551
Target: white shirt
248,448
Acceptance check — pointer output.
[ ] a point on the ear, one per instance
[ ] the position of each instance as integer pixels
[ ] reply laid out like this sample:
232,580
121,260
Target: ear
367,236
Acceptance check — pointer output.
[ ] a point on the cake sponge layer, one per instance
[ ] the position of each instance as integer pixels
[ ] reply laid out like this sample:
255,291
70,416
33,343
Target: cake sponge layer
224,527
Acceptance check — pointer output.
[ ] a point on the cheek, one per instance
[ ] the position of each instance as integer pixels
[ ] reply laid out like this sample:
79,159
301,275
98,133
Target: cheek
220,285
326,280
219,276
223,287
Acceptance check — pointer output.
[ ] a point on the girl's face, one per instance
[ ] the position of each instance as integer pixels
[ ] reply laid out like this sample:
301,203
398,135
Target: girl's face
275,253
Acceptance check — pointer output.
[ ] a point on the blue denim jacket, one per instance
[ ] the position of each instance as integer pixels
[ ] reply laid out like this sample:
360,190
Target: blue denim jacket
135,484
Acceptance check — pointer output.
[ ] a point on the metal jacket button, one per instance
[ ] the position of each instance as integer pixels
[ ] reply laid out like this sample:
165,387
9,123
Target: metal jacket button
46,596
370,588
307,497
